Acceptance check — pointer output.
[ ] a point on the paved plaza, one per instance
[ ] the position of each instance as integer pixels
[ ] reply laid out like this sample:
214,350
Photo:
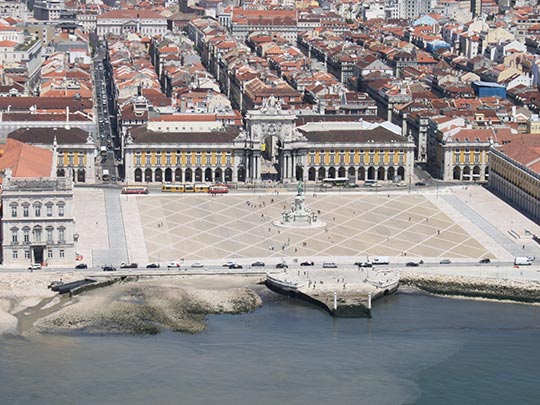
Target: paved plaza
200,227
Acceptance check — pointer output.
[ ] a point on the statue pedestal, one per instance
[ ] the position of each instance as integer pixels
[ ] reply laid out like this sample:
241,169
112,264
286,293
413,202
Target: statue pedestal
299,216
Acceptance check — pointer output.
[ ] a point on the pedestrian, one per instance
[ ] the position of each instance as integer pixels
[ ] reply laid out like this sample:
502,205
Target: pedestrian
439,232
523,247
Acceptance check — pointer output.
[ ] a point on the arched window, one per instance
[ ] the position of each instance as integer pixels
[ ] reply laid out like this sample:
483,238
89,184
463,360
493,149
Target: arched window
228,174
312,174
138,175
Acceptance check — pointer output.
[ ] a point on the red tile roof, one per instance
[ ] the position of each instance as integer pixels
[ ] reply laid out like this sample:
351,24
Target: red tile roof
525,149
130,13
25,160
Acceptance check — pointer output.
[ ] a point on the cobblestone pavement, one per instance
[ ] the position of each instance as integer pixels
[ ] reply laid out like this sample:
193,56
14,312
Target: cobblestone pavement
199,227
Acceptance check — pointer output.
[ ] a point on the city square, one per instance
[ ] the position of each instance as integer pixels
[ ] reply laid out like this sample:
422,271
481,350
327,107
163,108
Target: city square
236,226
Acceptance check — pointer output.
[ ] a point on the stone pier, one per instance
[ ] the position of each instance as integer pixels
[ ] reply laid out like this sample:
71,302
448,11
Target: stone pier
343,292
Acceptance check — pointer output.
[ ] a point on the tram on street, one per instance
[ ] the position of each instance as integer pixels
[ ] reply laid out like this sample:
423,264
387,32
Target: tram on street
218,189
186,188
335,181
134,190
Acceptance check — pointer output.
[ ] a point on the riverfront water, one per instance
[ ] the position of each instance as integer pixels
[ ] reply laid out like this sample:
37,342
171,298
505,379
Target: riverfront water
416,350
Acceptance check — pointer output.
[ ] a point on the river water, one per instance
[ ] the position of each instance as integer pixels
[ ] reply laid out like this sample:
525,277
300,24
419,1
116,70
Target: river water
417,349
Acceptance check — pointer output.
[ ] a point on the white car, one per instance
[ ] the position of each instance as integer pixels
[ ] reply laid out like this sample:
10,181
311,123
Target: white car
35,266
173,265
197,265
229,263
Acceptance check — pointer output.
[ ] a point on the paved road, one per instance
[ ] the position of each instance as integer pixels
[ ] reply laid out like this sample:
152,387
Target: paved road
466,269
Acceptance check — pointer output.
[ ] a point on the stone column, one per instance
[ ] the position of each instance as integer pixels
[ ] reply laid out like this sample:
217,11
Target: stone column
304,169
257,166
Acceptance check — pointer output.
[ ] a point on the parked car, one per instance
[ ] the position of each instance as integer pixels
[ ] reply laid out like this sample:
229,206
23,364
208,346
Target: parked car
420,183
109,268
235,266
282,266
197,265
257,264
81,266
329,265
485,260
229,263
173,265
152,266
411,264
363,264
445,261
308,263
35,266
124,265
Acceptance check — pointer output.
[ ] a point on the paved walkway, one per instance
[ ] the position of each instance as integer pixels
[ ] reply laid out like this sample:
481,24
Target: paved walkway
115,250
497,219
90,222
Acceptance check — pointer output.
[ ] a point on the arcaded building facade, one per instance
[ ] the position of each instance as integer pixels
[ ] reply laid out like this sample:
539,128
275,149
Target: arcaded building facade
271,147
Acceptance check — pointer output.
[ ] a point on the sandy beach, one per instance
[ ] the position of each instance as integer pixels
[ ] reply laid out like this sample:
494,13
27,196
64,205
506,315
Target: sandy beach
145,306
21,291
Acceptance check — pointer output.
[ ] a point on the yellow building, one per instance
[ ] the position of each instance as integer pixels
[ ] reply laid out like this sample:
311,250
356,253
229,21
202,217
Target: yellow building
462,153
515,172
271,147
76,150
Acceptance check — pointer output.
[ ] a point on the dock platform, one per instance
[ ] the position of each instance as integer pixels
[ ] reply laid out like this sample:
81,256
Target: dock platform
343,292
